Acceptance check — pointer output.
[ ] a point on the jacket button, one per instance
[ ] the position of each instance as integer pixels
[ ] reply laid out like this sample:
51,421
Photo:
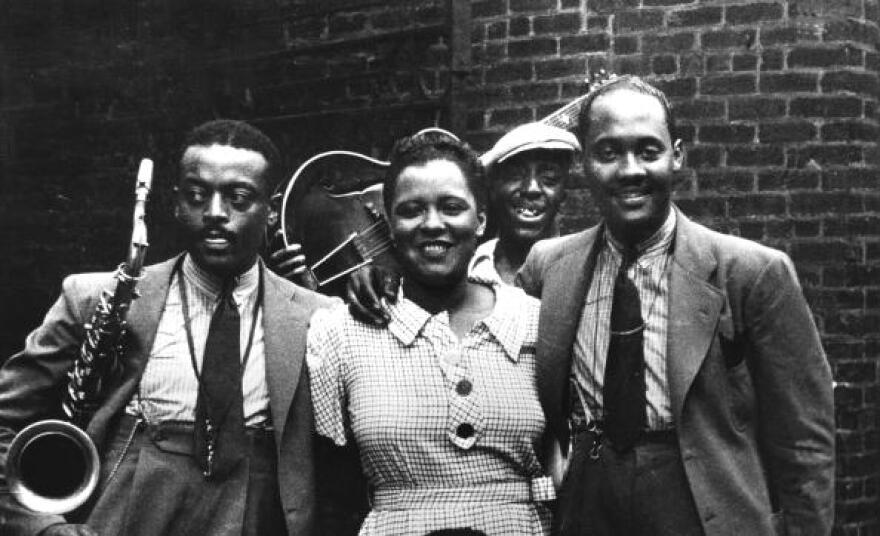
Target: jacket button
464,387
464,430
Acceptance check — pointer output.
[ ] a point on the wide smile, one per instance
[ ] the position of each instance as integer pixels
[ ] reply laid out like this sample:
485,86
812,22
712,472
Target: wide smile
529,213
434,249
632,196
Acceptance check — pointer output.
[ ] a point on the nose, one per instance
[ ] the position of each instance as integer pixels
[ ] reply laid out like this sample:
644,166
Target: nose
216,208
530,186
432,221
631,166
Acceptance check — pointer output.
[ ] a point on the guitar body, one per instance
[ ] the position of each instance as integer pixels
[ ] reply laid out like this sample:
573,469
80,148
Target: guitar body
333,207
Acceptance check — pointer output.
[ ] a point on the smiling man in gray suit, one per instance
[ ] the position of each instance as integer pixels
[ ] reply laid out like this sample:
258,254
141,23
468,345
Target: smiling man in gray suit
682,366
207,431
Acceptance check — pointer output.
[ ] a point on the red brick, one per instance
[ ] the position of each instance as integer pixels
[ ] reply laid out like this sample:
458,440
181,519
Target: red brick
757,205
656,44
732,84
638,64
788,179
851,179
826,107
520,26
745,62
597,23
825,155
347,23
701,16
677,87
654,3
772,60
787,131
643,19
488,8
559,23
533,92
543,46
857,226
825,251
549,69
849,131
726,182
753,12
611,7
865,83
698,109
824,56
496,30
788,82
718,63
509,72
517,6
851,30
703,156
579,44
665,64
755,155
704,207
728,38
787,35
626,44
726,133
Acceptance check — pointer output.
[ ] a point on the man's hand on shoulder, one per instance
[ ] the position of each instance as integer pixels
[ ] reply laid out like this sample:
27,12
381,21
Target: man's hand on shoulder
368,291
289,262
68,529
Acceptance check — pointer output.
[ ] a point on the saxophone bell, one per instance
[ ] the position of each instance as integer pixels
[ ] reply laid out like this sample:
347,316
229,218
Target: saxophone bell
52,467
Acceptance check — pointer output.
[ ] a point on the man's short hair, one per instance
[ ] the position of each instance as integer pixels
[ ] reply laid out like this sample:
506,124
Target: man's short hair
633,83
240,135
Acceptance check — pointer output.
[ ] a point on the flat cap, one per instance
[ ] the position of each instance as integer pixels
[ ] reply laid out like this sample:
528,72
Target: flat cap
529,137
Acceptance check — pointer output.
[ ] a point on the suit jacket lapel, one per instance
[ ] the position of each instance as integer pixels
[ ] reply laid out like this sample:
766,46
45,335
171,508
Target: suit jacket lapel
143,320
284,335
565,291
694,308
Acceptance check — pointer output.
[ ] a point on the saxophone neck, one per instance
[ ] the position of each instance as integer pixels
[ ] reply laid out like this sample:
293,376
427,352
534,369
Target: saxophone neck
135,260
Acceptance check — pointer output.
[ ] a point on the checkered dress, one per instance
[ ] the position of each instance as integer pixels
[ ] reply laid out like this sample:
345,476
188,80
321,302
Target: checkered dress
447,429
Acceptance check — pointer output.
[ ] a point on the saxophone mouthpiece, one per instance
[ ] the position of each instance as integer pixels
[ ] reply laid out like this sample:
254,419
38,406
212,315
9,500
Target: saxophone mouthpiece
145,174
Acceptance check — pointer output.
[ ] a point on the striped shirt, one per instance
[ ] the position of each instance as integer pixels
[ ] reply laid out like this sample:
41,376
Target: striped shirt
169,386
446,428
651,277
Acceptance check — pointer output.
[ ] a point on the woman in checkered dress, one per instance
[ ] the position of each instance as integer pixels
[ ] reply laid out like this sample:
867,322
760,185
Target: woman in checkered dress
442,402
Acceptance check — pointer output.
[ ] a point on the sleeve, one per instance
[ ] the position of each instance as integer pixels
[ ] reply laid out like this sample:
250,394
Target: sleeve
795,393
528,277
324,358
31,383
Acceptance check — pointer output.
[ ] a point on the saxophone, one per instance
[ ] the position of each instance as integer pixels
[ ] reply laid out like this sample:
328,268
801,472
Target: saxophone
52,466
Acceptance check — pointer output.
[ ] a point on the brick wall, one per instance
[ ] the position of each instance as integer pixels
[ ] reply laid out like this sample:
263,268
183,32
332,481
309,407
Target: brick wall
777,101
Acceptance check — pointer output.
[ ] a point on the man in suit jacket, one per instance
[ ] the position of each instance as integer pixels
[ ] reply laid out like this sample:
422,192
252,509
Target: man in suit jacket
156,478
726,425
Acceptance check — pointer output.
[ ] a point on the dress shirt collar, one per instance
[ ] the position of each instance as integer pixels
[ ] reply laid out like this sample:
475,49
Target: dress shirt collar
210,285
408,320
656,244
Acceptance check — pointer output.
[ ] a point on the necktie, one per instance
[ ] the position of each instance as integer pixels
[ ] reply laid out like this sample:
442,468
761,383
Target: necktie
624,385
219,427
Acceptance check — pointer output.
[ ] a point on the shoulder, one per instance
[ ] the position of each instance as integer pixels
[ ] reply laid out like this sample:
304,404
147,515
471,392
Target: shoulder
551,249
734,252
302,297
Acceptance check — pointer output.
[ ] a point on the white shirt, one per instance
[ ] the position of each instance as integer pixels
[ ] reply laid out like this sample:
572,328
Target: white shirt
169,386
651,278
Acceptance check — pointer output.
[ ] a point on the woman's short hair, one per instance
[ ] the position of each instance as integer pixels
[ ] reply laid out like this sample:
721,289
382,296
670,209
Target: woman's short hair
434,144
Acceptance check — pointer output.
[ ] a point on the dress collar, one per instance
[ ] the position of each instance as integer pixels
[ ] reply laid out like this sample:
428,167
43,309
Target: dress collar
408,319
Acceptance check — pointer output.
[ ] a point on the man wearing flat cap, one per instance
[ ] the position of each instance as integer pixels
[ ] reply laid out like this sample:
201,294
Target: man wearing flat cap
527,171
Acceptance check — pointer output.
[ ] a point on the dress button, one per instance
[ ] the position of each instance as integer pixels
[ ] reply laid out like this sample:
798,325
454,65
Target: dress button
464,387
464,430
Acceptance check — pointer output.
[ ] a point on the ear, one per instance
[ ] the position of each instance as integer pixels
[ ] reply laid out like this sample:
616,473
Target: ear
481,228
677,155
272,218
